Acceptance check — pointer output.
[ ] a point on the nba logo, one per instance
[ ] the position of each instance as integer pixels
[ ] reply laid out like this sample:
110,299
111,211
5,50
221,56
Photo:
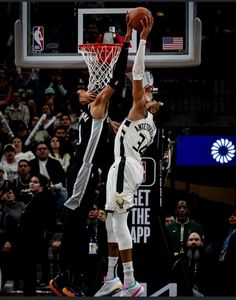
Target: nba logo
38,38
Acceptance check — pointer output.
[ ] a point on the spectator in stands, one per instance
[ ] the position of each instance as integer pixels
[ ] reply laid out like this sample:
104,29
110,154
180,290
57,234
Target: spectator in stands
17,110
33,107
97,249
60,133
72,134
48,110
52,169
58,84
43,133
20,154
73,114
37,224
227,258
194,270
19,129
179,230
58,152
27,83
51,98
4,184
9,162
49,94
169,218
20,185
32,123
66,122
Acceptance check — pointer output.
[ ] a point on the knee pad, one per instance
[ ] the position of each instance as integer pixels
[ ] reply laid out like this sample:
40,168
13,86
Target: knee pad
121,230
111,236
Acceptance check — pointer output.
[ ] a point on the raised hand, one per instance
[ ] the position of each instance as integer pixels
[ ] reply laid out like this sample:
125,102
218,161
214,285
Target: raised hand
86,96
148,90
147,24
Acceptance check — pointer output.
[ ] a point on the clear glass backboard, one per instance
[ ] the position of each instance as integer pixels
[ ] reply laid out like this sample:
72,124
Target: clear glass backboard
48,33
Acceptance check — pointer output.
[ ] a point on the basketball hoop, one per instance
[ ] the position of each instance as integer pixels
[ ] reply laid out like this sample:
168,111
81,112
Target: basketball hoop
100,59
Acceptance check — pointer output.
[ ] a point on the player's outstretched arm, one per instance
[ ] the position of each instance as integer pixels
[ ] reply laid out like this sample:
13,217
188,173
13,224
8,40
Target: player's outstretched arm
138,109
100,106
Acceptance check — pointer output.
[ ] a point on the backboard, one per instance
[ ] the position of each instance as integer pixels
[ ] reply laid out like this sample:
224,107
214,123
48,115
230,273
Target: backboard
47,34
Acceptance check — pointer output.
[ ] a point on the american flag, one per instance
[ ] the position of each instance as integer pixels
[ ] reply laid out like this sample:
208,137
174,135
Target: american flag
172,43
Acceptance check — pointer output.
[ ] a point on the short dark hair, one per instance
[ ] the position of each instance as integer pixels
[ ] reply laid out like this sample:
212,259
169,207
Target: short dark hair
65,115
43,180
23,160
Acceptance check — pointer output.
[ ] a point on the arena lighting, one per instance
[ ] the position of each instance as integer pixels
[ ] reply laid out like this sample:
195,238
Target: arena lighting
160,13
205,150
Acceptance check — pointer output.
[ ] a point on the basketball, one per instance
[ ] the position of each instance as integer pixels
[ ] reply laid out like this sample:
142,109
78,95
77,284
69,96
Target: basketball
136,15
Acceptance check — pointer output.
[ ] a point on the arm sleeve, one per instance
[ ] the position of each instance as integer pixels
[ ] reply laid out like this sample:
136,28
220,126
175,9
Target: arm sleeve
139,66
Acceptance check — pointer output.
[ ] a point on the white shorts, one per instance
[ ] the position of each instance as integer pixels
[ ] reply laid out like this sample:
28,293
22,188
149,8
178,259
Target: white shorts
132,178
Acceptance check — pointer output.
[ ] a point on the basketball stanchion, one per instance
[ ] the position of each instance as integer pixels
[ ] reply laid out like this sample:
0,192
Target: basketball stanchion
100,59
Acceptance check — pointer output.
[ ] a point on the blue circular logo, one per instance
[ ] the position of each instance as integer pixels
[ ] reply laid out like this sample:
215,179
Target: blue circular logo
223,151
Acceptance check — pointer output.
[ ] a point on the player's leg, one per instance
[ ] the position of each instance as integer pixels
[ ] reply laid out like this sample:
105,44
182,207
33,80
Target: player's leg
112,283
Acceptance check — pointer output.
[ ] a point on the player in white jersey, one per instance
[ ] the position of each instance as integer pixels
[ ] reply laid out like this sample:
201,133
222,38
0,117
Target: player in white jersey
135,134
126,174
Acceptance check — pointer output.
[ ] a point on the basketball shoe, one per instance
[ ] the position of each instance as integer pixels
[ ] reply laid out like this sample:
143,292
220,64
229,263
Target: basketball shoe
56,285
72,292
109,288
135,290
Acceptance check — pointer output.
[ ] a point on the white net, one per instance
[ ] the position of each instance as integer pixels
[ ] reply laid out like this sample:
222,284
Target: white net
100,59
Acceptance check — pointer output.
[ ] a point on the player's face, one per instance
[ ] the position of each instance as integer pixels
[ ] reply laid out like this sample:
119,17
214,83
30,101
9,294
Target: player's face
153,106
232,218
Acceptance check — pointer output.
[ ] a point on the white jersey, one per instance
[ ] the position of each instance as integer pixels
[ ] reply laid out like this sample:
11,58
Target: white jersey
133,137
126,173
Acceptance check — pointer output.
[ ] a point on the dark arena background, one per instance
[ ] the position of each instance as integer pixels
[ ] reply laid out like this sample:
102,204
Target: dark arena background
193,155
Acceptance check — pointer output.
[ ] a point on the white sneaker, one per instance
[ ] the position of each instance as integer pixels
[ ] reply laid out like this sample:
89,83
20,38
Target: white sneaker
109,288
135,290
